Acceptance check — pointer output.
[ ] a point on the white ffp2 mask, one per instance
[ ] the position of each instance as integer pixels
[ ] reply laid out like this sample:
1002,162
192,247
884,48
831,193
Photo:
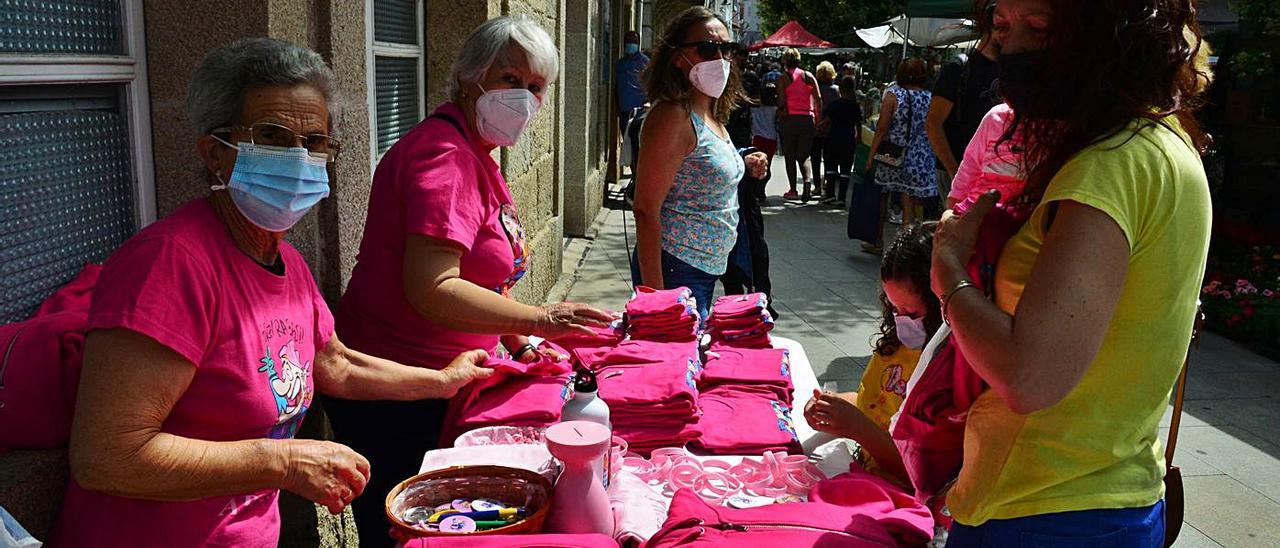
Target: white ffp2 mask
911,331
710,77
502,114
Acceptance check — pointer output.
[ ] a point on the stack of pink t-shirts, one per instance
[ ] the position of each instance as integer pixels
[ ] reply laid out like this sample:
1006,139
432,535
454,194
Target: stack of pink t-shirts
768,368
668,315
741,320
651,389
606,336
744,419
517,394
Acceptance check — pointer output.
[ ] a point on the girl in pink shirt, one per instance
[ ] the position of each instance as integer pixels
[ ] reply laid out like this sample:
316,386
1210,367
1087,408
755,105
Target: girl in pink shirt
988,162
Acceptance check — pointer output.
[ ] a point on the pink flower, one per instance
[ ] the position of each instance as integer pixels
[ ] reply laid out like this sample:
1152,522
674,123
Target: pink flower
1268,293
1224,293
1248,311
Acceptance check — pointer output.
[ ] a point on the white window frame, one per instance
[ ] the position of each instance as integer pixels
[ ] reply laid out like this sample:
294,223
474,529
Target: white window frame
129,70
375,49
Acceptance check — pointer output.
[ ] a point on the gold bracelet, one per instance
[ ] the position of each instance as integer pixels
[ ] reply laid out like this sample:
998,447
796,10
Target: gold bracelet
946,298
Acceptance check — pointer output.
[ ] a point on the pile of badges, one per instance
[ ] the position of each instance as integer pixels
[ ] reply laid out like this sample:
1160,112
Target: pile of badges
463,516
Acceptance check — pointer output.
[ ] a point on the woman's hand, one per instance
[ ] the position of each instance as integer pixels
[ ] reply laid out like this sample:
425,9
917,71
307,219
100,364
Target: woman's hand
837,414
757,164
954,240
564,319
463,370
326,473
871,159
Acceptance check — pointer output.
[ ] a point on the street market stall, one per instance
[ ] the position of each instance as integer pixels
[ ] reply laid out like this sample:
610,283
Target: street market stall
700,425
793,35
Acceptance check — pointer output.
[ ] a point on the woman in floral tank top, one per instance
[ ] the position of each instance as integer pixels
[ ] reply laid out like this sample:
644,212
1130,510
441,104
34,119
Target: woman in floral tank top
686,203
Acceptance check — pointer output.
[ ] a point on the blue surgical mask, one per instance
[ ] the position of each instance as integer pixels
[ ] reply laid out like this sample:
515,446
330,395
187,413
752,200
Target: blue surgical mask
911,331
631,49
273,186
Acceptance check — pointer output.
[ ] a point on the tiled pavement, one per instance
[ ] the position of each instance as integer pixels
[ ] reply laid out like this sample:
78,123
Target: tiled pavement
826,292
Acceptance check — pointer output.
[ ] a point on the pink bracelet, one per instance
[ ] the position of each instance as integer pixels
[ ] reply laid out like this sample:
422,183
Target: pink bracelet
720,486
642,468
716,465
668,452
791,462
683,475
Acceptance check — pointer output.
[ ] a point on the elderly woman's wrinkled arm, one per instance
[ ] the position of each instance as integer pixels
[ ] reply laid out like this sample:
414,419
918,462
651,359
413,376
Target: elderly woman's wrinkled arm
1035,357
434,286
345,373
128,387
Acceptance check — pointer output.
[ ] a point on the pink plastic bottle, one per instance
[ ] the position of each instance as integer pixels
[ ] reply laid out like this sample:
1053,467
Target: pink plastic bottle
580,504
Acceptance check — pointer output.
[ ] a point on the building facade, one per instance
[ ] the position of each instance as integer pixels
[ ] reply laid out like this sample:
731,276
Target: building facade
97,144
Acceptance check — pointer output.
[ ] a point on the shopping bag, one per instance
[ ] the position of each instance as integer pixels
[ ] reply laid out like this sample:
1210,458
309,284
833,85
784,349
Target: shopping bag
864,210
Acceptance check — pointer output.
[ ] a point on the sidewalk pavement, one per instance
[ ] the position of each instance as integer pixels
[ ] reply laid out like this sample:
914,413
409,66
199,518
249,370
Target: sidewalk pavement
827,294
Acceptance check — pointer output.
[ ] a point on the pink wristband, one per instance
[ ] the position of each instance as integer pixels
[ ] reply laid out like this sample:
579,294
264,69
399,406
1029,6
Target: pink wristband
668,452
716,465
642,468
683,475
774,491
791,462
717,484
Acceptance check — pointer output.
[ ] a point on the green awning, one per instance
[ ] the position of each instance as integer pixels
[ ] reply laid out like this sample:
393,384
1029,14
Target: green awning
940,8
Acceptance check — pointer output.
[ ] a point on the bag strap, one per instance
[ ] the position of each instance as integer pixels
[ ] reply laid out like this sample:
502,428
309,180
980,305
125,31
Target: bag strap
451,121
1180,389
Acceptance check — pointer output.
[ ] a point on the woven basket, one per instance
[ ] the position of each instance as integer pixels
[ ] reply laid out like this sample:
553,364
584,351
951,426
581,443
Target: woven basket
510,485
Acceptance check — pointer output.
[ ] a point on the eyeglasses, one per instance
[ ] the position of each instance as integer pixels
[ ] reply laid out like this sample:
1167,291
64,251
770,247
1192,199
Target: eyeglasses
713,49
272,134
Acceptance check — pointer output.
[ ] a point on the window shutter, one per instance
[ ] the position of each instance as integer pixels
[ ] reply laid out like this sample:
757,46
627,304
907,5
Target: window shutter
61,27
397,96
66,199
396,21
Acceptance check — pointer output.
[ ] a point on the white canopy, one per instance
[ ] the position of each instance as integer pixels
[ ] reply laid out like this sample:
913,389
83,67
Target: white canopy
927,32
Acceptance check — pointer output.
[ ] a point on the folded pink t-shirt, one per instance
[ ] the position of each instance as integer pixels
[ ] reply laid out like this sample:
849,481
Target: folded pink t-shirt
434,182
728,365
634,351
517,394
251,337
733,306
650,301
744,420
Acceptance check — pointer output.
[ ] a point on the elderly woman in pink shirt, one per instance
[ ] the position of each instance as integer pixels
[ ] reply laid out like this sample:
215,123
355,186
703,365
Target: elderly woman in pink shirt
442,249
208,337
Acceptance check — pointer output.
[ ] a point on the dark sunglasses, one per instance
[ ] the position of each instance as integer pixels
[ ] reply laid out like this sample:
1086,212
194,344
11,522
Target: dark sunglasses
711,49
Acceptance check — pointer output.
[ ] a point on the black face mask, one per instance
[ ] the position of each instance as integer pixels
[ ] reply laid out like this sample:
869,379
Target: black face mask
1017,72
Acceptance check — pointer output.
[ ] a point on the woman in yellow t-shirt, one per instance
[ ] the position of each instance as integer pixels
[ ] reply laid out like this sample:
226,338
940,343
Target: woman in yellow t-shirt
911,316
1094,296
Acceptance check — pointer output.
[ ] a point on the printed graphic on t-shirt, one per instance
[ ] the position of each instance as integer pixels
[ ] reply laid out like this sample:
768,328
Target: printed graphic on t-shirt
892,381
692,371
786,363
286,375
785,423
515,235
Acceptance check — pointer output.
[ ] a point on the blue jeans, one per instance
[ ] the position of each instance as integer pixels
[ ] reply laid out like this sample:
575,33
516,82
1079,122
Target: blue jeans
1119,528
677,273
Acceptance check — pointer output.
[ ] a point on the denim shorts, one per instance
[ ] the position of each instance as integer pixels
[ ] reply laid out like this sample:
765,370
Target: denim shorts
1118,528
677,273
